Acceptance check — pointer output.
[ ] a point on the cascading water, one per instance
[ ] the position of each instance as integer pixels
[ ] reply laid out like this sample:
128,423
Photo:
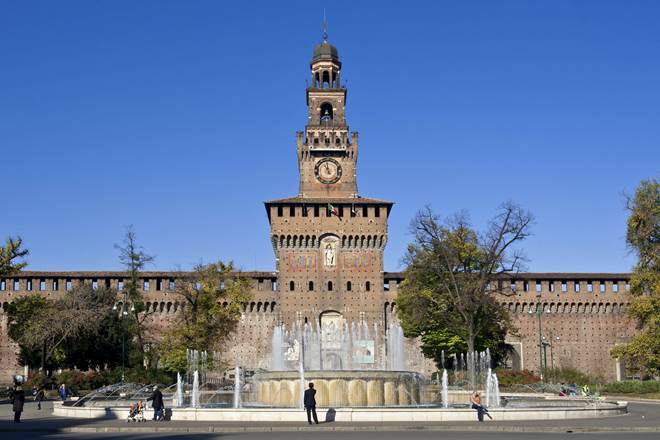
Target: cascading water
445,389
396,355
492,390
302,384
277,342
179,390
195,390
237,387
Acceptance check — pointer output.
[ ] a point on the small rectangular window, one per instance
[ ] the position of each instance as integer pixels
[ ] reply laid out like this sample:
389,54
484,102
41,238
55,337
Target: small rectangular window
304,211
627,286
316,211
386,285
95,284
42,284
353,211
159,284
365,211
377,211
341,210
538,287
564,286
145,285
120,284
576,285
615,287
28,285
273,285
171,285
513,286
17,285
3,284
601,286
56,284
525,286
551,286
292,211
69,284
590,286
280,211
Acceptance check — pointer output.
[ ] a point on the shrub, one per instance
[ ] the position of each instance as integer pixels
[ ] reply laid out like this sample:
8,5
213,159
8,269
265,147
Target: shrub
508,378
632,387
571,375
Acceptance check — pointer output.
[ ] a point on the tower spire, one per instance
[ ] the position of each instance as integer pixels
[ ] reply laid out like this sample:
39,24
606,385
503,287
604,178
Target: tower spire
324,27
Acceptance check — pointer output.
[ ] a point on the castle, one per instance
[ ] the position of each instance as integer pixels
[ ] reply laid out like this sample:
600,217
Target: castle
328,243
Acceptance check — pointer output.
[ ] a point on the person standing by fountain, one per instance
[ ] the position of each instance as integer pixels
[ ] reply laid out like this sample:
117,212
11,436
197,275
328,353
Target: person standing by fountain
481,410
157,398
310,404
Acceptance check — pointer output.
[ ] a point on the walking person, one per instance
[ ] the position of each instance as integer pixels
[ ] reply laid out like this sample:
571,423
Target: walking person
310,404
39,397
481,410
17,401
157,399
64,392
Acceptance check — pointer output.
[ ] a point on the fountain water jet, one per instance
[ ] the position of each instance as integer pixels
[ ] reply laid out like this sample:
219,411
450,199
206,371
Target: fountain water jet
445,389
179,390
195,390
237,387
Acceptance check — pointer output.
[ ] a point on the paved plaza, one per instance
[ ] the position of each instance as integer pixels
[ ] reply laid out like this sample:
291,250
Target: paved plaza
642,422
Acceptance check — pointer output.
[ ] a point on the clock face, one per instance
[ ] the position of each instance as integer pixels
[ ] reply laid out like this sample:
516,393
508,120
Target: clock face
327,171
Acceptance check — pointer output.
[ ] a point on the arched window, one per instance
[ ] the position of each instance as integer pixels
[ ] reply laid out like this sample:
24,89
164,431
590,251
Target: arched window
310,287
292,286
349,286
326,112
329,286
326,79
367,286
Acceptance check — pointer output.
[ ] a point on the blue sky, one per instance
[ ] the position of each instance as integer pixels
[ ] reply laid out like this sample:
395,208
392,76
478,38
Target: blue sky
180,118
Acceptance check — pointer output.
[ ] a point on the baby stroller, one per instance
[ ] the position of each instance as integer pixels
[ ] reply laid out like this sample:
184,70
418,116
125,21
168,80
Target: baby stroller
136,413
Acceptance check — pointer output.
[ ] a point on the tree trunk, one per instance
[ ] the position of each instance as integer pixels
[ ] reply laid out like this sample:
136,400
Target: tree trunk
470,344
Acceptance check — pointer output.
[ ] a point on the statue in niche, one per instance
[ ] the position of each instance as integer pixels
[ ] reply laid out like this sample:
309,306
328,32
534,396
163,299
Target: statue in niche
330,254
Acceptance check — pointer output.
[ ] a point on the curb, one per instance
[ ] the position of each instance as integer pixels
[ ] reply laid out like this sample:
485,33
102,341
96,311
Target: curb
229,429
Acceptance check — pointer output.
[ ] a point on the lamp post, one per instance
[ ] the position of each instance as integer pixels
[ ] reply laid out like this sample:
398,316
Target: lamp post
123,314
539,313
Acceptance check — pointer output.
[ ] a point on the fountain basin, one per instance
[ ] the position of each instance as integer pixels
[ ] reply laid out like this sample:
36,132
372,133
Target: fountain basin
340,388
589,410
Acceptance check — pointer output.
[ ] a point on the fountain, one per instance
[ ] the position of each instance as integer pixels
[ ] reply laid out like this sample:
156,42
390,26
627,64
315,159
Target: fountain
445,389
237,387
302,383
195,390
179,391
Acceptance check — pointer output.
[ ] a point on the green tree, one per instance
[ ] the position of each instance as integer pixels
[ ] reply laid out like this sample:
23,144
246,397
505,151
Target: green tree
134,259
9,254
213,296
453,277
642,353
45,326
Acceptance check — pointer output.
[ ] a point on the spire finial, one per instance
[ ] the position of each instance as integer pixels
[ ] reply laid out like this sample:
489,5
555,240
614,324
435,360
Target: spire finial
325,28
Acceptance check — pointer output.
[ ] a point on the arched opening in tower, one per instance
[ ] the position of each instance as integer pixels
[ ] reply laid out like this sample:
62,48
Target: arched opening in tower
326,112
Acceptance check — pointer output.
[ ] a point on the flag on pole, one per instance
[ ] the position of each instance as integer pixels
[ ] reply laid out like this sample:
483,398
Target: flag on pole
333,210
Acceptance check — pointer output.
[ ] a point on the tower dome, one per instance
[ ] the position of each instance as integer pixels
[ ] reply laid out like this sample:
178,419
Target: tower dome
325,52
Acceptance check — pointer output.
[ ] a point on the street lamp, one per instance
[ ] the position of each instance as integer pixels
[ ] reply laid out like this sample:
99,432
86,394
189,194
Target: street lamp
539,313
123,314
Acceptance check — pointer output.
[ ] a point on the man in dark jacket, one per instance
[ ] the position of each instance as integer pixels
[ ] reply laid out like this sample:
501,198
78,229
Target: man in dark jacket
310,404
17,400
157,398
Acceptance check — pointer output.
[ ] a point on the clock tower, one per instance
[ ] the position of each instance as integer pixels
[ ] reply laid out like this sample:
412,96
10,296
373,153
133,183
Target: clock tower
328,240
326,152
